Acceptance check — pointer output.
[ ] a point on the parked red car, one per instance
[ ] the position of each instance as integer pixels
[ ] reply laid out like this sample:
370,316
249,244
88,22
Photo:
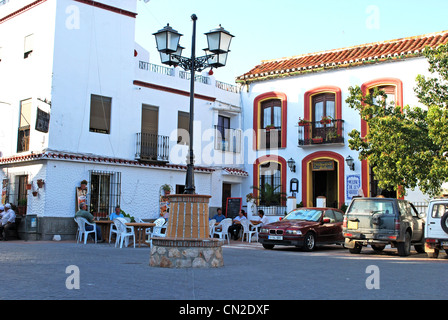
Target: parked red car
304,227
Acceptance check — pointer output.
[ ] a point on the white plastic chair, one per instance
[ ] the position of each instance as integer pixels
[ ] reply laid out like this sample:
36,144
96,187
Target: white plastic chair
211,227
113,229
82,229
246,230
224,225
255,228
124,232
160,225
157,229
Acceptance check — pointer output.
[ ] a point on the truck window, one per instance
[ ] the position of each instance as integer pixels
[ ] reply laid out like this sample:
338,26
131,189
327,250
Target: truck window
438,210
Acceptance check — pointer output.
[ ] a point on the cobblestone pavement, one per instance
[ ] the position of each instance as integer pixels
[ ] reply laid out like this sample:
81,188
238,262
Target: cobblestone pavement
37,270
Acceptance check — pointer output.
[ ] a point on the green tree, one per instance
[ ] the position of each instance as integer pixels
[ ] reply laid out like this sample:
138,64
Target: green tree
407,146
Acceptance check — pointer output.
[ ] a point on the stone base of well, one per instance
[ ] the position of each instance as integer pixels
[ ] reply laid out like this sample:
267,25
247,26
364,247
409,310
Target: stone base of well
186,253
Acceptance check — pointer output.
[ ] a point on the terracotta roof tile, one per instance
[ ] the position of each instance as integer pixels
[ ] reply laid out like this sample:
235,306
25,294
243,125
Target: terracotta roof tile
345,57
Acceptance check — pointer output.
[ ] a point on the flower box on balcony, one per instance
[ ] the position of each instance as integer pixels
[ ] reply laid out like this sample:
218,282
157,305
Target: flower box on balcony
317,140
325,120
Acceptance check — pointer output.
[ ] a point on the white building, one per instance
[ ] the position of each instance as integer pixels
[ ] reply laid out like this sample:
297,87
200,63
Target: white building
279,93
79,100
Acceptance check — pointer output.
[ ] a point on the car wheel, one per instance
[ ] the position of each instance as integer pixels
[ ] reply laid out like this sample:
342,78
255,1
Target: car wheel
268,246
356,249
444,222
419,248
404,248
309,242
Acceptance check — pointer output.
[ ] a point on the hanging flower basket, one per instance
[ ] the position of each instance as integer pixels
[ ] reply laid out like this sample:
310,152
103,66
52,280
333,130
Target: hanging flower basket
29,186
35,193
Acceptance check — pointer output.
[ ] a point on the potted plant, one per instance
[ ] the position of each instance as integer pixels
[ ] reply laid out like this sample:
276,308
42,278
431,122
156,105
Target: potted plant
29,186
166,189
35,193
326,120
40,183
317,139
269,195
21,206
83,184
303,122
269,127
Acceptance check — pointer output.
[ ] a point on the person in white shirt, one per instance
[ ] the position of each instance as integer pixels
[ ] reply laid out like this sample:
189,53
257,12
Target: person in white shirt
8,220
235,228
263,220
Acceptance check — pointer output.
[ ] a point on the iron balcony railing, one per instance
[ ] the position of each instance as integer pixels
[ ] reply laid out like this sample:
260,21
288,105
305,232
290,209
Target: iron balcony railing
316,133
227,139
152,147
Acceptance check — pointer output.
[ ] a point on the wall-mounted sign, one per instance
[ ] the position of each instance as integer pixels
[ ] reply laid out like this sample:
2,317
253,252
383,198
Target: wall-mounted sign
352,186
322,165
42,121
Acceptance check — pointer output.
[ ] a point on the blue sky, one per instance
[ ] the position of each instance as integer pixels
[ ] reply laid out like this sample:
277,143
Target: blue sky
270,29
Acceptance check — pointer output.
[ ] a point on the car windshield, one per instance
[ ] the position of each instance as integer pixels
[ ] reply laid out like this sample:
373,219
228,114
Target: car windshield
372,206
304,214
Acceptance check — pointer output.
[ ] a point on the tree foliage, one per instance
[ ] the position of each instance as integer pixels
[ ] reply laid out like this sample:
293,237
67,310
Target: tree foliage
407,146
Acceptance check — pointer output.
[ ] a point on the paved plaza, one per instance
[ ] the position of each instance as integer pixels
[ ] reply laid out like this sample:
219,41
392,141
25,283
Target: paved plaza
44,270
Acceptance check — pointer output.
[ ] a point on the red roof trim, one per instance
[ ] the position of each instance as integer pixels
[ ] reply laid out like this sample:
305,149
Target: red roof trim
94,159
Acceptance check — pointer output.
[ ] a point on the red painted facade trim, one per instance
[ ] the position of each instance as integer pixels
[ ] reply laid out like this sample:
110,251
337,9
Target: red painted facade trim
257,115
22,10
87,2
108,7
365,87
269,158
171,90
307,188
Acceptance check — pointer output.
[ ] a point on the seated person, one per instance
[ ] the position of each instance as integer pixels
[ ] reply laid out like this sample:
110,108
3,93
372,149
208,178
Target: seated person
116,214
235,228
219,216
83,213
8,221
263,220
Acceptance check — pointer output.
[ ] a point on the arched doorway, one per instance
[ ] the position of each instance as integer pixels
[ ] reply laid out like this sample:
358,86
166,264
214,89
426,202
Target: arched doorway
323,175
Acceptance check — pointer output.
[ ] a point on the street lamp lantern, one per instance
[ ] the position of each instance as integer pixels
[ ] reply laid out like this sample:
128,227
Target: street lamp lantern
219,40
167,39
216,60
171,59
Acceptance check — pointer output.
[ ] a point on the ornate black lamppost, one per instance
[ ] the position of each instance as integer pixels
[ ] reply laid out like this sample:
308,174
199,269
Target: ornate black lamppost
167,40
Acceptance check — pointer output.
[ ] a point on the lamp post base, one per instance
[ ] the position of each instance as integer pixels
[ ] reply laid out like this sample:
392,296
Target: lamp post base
187,243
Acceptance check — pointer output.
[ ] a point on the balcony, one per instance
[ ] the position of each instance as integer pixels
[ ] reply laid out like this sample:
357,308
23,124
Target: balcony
317,133
152,147
227,139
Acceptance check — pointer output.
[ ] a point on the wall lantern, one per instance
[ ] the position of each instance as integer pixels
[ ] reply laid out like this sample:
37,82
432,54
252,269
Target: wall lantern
350,163
292,165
